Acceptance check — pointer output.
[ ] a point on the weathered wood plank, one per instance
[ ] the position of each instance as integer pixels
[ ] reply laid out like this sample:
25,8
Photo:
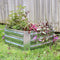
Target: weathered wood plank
32,12
26,40
26,37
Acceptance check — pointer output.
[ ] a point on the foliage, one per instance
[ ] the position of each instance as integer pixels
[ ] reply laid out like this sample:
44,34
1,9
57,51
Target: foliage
44,33
18,20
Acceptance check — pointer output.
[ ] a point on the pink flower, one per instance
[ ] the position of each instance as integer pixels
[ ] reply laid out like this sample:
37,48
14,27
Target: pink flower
34,38
56,37
40,40
33,27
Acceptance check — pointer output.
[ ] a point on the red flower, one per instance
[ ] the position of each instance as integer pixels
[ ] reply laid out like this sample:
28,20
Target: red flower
33,27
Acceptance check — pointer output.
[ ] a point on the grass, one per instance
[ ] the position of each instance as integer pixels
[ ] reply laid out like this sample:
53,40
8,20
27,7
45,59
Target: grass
50,52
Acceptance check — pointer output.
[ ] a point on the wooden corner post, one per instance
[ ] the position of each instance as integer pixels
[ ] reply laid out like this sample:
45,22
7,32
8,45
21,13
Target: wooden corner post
26,40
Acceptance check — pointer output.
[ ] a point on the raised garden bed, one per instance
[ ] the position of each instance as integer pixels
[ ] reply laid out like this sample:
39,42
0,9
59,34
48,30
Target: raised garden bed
25,39
21,32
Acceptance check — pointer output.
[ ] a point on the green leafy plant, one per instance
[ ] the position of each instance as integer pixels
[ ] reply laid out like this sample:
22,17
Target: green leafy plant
18,20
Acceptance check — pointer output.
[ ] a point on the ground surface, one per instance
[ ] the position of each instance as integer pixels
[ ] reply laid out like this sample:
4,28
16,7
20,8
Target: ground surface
51,52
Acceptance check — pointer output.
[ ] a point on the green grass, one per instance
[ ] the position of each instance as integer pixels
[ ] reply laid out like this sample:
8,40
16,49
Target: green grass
46,52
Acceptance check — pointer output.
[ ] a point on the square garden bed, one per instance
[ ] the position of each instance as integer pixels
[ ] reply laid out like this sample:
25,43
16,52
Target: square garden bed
26,40
22,32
